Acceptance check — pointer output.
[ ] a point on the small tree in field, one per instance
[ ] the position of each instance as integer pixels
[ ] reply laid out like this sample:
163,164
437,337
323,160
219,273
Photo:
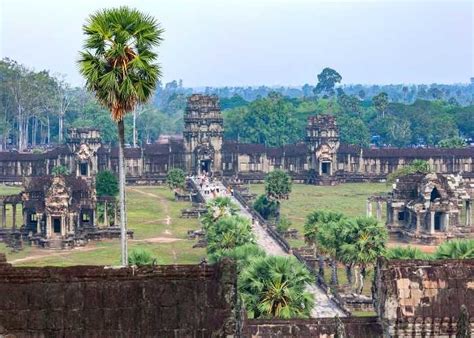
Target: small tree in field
176,179
106,184
140,257
277,187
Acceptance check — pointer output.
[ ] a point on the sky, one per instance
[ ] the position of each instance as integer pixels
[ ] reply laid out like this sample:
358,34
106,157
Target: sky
263,42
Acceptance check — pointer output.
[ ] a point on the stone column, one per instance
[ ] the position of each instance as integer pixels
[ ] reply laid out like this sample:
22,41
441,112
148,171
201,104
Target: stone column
106,218
432,223
116,215
39,219
14,216
468,213
446,222
4,215
369,208
418,223
48,226
63,225
379,210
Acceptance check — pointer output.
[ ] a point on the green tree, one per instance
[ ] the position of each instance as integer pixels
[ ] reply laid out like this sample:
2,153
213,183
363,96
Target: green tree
275,287
265,207
381,102
106,184
176,179
405,253
353,130
242,255
226,234
60,170
218,208
315,221
119,66
453,142
141,257
277,187
456,249
366,244
417,166
327,80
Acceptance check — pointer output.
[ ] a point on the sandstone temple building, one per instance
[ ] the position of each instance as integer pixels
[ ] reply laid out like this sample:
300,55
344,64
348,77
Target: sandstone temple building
320,158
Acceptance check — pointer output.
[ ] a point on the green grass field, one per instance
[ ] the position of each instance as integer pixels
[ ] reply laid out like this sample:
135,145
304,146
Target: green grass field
349,198
148,211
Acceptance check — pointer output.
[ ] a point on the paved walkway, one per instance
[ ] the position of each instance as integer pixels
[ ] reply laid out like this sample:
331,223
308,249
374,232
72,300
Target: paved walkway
324,306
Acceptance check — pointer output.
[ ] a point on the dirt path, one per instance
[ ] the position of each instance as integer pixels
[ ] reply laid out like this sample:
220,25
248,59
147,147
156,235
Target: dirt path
37,254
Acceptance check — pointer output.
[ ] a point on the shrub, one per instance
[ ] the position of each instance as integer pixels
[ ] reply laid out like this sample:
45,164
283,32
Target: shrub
140,257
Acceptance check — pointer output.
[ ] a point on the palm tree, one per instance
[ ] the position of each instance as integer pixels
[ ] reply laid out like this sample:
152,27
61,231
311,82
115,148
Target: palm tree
242,255
120,68
217,208
274,286
141,257
314,222
367,243
227,234
277,187
408,252
456,249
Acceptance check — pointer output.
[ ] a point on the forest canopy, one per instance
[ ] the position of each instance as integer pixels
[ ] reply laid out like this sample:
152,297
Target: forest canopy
36,108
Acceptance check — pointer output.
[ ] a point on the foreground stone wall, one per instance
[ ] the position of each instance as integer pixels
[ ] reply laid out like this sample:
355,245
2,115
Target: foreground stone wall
364,327
94,301
416,298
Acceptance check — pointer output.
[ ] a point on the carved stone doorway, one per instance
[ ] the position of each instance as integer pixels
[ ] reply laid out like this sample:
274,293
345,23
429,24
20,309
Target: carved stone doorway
205,166
56,226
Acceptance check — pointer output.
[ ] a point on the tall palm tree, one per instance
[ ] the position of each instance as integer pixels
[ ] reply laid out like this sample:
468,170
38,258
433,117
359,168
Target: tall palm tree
367,243
119,66
314,222
218,208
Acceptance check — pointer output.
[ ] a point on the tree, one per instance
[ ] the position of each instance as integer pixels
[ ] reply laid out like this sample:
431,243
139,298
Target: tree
354,131
315,221
405,253
453,142
120,68
456,249
141,257
60,170
106,184
226,234
327,79
365,245
417,166
218,208
381,102
265,207
176,179
275,287
277,187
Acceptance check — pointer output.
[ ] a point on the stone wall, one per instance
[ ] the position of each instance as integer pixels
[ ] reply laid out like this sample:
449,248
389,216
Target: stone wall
363,327
159,301
423,297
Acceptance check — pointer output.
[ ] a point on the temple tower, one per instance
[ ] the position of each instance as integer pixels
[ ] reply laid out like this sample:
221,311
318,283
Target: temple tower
203,132
322,139
83,143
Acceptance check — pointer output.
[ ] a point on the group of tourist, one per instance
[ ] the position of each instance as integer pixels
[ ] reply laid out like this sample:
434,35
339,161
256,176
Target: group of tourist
210,187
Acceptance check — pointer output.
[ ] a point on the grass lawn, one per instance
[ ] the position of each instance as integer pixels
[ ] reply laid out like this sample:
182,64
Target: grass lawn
153,214
348,198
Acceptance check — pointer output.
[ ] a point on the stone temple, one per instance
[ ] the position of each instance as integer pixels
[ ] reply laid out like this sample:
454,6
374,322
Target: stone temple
320,158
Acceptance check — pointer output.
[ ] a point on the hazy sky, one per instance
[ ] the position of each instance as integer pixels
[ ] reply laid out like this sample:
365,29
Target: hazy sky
272,42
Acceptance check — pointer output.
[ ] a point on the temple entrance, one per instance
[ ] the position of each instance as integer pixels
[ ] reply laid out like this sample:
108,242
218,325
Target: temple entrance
83,169
434,194
326,168
205,166
437,221
57,225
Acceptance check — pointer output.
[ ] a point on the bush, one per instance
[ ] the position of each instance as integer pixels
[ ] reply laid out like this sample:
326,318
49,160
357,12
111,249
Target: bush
176,178
140,257
284,225
106,184
266,208
60,170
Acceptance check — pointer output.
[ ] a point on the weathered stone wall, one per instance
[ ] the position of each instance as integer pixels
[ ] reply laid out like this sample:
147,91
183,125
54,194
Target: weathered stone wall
364,327
423,297
160,301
